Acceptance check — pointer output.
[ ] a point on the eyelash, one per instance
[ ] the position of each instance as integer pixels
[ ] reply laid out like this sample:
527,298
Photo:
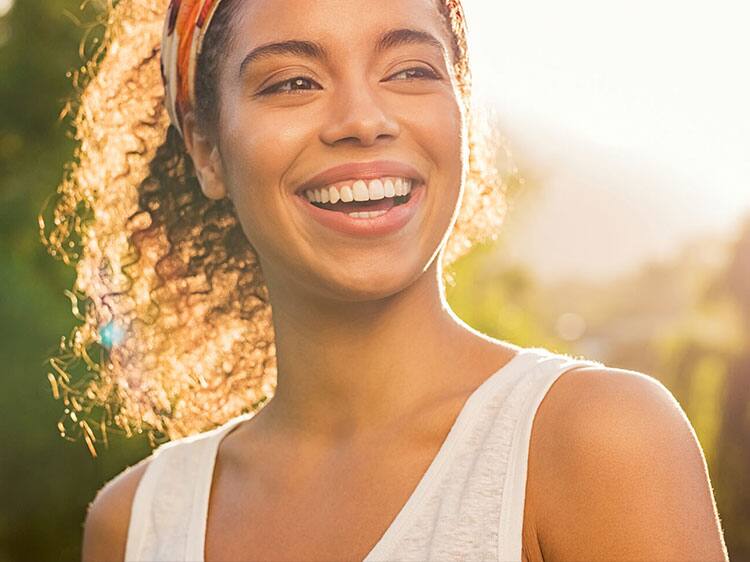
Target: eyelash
274,89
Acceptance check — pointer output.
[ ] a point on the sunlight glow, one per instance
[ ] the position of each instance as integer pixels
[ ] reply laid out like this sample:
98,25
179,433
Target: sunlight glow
5,7
664,78
640,106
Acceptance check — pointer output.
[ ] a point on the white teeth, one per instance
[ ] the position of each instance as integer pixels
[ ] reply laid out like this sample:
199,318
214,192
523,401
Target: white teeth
388,188
361,190
346,194
376,190
403,187
361,193
366,214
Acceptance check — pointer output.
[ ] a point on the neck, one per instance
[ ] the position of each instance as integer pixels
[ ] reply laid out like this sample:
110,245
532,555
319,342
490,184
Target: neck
346,368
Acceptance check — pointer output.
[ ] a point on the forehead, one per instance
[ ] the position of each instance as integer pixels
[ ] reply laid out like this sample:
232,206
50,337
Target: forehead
336,23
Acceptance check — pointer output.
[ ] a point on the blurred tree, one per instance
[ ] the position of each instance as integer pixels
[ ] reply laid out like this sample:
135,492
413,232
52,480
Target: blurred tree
46,481
497,299
706,364
733,444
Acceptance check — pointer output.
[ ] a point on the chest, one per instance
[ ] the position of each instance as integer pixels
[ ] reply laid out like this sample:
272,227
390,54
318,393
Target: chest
340,513
339,517
282,506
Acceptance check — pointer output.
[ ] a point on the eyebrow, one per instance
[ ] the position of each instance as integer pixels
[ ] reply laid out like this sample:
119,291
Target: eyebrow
310,49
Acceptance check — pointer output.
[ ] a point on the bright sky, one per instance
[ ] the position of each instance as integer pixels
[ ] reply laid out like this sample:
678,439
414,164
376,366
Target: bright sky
665,82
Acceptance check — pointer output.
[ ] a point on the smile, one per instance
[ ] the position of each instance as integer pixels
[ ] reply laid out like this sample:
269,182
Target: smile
362,198
371,207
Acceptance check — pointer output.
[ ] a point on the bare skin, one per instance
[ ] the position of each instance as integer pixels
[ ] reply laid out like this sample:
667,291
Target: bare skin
365,343
582,501
332,500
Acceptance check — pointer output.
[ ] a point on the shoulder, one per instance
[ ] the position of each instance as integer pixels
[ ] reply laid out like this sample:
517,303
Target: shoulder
624,476
108,517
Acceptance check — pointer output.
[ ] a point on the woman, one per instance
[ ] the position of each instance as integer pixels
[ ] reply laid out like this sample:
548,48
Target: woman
337,132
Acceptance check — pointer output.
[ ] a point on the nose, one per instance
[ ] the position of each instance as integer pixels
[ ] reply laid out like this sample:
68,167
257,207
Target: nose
358,115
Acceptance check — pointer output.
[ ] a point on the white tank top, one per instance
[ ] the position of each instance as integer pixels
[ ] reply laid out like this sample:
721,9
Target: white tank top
468,505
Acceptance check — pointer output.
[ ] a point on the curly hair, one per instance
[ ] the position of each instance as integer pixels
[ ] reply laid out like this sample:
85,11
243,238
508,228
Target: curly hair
174,333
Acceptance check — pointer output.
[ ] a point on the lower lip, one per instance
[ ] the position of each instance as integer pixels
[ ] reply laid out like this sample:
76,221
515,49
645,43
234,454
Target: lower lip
392,221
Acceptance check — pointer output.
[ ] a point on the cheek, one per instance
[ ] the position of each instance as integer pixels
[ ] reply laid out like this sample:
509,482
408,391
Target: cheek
439,123
259,147
439,126
442,134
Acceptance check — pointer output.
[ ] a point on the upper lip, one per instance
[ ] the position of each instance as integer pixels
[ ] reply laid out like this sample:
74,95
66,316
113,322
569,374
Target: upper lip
361,170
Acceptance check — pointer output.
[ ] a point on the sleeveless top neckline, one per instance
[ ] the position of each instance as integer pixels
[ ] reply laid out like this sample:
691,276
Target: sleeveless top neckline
507,383
460,425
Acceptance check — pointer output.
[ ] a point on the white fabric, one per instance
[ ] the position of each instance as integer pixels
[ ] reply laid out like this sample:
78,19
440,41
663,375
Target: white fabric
468,505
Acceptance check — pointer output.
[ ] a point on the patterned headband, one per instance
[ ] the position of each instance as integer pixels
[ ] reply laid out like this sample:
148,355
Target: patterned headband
184,28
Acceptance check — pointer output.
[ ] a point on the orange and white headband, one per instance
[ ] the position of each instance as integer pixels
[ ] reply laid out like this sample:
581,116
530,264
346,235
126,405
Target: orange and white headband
184,28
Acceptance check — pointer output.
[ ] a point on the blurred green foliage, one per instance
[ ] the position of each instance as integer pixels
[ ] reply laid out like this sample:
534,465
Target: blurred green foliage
46,481
685,322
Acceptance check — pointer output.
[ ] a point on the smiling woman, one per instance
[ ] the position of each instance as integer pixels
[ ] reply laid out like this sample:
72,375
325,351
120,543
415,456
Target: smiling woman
319,160
161,255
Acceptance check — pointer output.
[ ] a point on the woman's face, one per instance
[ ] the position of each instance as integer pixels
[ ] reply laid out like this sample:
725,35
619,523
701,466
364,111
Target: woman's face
289,115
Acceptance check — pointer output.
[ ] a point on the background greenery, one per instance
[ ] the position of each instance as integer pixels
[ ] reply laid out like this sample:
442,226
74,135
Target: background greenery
685,322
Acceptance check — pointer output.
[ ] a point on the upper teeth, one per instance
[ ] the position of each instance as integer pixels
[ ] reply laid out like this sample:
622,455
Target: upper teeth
360,190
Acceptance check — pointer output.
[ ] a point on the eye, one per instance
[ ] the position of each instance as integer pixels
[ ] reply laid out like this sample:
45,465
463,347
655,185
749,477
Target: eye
421,71
296,81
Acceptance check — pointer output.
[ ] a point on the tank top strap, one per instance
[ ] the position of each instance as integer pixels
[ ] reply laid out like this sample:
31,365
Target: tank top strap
140,510
532,389
204,476
167,503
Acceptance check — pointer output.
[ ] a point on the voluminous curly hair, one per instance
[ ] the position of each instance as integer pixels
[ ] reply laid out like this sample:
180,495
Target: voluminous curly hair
174,333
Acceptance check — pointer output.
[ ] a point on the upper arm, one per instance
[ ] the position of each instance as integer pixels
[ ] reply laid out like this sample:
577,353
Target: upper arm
106,527
626,476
